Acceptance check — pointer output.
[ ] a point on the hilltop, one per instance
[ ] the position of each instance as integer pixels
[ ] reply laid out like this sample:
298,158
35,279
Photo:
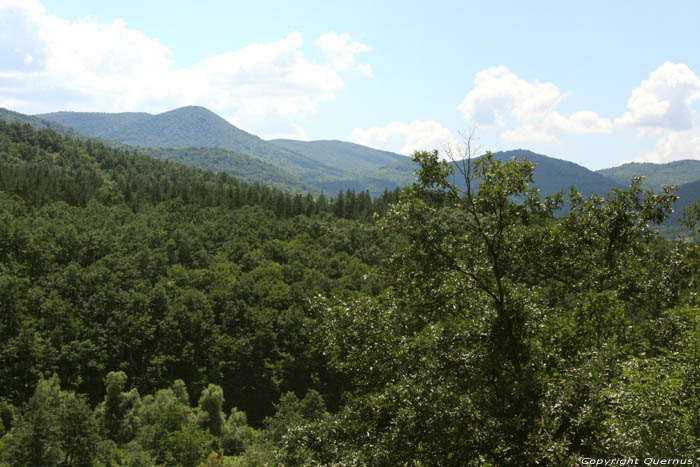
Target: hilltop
656,175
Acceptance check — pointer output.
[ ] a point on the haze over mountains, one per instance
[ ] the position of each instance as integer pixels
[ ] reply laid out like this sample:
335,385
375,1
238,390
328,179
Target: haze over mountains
198,137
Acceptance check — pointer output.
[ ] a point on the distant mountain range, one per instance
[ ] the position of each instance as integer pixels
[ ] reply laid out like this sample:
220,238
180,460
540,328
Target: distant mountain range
198,137
656,175
243,166
186,127
553,175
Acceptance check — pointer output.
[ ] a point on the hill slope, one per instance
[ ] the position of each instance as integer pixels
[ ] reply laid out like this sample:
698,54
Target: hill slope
350,157
95,123
553,175
329,165
188,127
37,123
656,175
242,166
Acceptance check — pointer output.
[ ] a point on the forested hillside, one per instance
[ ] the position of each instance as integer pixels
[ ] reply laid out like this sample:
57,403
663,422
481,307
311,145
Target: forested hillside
350,157
114,262
656,175
198,137
156,314
187,127
240,166
37,123
327,166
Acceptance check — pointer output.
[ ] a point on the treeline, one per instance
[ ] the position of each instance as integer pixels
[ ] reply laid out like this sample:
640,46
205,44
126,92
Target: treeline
43,166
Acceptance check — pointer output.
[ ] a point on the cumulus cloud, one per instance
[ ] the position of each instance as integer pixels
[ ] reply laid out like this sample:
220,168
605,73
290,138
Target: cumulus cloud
663,100
661,108
500,99
673,146
48,63
405,138
341,50
529,133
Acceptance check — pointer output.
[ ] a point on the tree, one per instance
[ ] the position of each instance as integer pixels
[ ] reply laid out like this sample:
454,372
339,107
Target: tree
210,404
478,351
116,411
55,428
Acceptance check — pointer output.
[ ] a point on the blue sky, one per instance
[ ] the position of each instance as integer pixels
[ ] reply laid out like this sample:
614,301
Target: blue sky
597,83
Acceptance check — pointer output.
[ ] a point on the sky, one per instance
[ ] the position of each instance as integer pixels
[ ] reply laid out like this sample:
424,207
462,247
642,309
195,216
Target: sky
598,83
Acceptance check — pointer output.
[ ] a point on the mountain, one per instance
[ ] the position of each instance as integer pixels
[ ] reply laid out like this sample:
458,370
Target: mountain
190,126
330,166
656,175
197,137
349,157
241,166
96,123
37,123
688,193
553,175
327,165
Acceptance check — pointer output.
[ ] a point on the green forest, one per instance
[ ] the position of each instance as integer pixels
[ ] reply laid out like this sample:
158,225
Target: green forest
157,314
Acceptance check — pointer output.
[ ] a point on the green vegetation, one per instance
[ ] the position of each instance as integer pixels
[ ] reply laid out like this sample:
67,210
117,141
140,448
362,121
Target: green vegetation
96,123
187,127
346,156
156,314
116,262
510,337
329,166
655,175
37,123
240,166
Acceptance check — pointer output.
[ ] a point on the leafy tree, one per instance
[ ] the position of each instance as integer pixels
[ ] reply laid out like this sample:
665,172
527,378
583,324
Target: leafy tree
55,427
210,404
118,407
478,352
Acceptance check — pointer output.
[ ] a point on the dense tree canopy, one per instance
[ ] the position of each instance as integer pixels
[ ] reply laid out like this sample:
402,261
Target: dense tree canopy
164,315
510,337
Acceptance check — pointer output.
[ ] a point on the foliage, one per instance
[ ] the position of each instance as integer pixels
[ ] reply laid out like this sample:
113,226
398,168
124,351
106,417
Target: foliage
194,319
656,176
509,337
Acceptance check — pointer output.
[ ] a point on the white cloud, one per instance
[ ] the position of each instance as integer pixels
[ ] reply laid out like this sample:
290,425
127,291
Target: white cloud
529,133
405,138
48,63
673,146
341,50
583,121
663,100
661,108
500,99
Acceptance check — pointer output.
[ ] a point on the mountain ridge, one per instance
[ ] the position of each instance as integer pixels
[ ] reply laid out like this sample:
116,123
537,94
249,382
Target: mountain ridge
656,175
190,126
328,165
